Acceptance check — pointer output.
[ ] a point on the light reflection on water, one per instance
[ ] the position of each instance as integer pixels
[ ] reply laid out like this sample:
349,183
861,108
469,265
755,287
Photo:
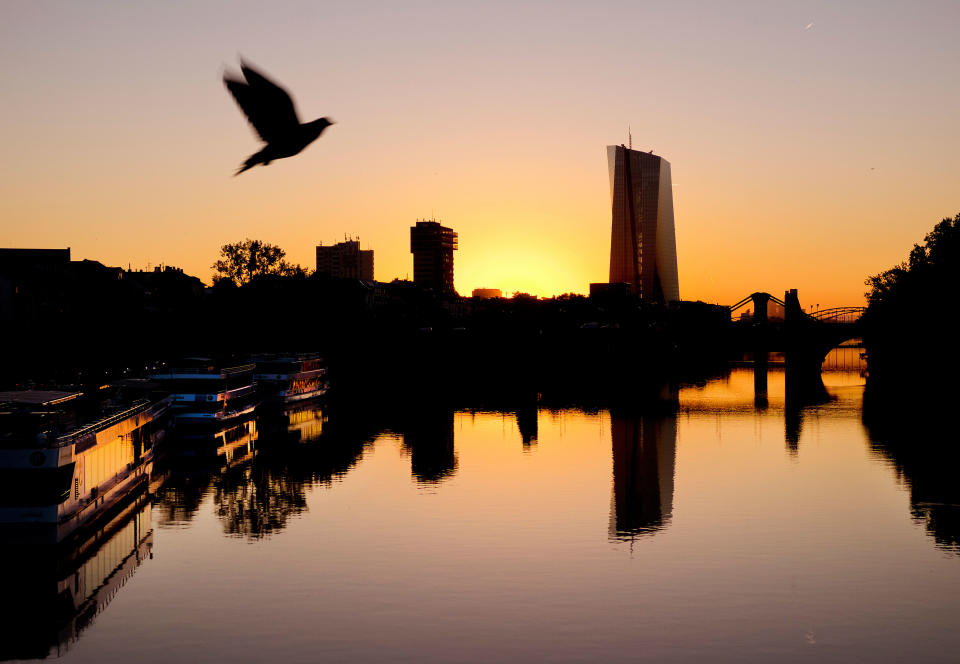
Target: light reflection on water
706,524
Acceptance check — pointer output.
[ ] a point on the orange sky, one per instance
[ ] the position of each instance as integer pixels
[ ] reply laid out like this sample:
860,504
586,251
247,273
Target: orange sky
804,156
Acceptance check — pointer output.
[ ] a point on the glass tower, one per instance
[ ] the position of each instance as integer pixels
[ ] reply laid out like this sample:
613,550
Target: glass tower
643,246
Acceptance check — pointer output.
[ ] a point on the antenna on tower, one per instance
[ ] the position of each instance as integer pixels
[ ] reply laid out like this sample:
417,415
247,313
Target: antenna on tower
629,137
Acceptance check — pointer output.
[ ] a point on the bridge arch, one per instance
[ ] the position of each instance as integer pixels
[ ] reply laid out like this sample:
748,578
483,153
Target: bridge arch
807,337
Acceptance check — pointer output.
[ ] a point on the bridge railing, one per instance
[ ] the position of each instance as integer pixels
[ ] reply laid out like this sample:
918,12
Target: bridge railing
838,314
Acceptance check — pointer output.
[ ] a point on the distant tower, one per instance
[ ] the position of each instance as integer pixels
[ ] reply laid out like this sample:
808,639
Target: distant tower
432,246
643,246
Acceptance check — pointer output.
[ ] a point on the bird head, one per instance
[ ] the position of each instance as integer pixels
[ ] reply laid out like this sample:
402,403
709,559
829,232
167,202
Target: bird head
319,125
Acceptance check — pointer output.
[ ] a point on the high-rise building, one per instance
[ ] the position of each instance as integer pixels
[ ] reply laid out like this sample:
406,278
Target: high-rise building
643,246
432,246
345,260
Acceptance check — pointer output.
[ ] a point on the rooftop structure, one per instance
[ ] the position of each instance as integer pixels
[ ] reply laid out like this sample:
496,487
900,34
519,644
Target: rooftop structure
486,293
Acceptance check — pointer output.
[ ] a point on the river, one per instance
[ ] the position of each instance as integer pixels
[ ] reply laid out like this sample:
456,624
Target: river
705,524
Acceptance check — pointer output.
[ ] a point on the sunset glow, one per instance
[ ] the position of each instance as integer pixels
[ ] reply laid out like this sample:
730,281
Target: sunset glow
799,137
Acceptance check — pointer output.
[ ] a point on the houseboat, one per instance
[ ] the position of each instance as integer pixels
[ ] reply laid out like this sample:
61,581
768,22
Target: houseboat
205,398
69,458
290,378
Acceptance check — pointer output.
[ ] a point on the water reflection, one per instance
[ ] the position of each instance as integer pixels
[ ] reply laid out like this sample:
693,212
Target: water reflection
693,483
527,416
644,459
259,498
801,391
56,592
918,437
428,436
191,463
257,473
760,383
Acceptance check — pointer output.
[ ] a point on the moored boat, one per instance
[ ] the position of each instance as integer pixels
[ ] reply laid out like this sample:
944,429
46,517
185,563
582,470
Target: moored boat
285,378
63,467
208,398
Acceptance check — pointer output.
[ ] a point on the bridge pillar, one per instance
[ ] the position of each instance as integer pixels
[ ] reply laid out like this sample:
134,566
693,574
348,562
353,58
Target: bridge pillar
793,312
760,301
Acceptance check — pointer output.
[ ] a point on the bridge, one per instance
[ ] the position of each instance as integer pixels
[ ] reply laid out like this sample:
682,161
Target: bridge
805,338
782,325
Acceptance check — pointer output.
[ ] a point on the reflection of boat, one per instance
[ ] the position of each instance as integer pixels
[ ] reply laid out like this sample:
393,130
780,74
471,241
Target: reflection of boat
288,378
297,423
225,447
202,395
62,469
59,590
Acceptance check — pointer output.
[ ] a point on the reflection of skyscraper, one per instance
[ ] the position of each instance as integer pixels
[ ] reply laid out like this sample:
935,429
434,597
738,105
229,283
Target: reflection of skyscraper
643,247
644,456
527,422
432,246
429,437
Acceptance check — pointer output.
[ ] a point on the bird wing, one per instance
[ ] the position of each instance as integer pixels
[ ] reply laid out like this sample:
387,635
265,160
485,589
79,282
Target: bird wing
267,106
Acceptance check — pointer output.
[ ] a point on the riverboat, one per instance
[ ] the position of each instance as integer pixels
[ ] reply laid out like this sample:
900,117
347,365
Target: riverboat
206,397
66,458
290,378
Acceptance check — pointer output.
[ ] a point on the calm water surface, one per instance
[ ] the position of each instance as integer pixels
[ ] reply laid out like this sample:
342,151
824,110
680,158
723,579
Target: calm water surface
730,526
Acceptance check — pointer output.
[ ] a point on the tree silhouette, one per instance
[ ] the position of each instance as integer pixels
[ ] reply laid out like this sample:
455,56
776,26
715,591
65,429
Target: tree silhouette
931,268
242,261
911,309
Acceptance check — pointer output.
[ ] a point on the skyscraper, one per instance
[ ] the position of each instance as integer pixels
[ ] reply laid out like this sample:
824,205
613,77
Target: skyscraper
345,260
643,246
432,246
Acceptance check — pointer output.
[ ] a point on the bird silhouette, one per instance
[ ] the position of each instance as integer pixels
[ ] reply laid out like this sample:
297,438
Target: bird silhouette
270,110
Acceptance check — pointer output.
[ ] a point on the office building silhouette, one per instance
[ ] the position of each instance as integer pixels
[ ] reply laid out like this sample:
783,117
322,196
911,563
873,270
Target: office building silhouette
643,247
432,246
345,260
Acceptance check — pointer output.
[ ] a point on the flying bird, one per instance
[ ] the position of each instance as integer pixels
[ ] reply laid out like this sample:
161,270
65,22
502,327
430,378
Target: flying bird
270,110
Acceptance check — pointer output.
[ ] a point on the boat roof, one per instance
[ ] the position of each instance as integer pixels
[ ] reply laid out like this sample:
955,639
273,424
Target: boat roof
38,397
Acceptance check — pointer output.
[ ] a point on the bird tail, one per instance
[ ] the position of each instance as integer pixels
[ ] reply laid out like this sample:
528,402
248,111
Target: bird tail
251,161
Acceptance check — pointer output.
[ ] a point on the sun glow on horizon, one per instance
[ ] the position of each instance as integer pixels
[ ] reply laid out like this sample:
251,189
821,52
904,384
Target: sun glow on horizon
805,159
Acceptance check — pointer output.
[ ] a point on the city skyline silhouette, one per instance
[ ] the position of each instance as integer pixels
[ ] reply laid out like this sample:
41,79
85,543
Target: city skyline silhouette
793,147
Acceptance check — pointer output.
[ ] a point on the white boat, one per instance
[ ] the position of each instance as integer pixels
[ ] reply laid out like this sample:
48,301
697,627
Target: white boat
59,470
292,377
205,396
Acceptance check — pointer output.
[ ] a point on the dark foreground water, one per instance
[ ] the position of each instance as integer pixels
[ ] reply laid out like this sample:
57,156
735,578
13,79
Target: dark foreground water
726,527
